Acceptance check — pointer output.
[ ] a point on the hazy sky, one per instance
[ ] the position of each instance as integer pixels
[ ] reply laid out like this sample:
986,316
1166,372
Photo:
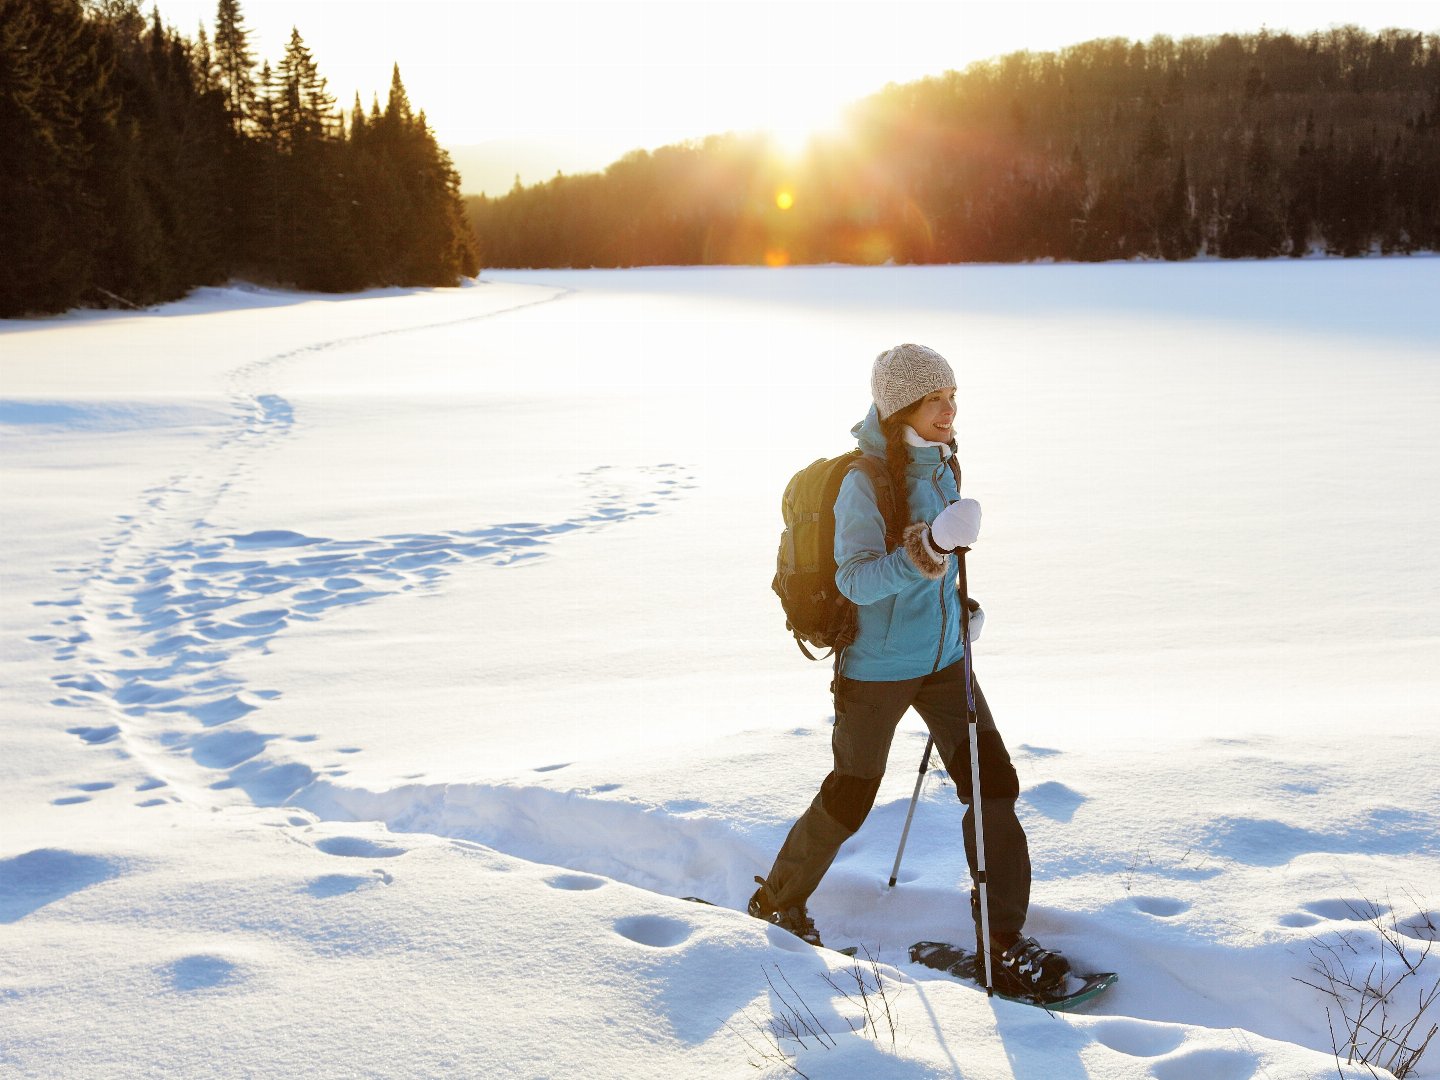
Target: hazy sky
601,77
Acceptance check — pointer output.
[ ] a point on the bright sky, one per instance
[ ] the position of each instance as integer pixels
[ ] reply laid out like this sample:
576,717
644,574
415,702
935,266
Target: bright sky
608,77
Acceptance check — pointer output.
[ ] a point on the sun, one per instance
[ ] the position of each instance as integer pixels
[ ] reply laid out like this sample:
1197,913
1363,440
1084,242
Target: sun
791,127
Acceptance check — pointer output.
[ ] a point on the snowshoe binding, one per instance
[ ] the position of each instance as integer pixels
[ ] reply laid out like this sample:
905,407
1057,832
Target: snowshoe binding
1025,969
1021,966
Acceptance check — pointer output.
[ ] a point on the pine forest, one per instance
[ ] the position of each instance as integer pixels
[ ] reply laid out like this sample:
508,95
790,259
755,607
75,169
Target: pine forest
138,164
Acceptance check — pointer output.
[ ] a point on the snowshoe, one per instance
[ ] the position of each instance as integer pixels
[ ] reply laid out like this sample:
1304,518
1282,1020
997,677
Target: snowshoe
1070,993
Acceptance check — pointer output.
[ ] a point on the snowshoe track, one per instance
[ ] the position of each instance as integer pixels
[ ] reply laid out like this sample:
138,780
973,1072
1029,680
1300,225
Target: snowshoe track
145,633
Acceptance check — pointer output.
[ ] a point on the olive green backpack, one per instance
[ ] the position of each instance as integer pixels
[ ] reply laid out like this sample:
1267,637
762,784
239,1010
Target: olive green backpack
816,612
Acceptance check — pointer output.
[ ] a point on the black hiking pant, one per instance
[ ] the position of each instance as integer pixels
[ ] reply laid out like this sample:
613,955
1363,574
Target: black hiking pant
866,715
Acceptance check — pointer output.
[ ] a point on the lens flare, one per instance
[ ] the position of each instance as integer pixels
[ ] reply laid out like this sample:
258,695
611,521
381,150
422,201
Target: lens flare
784,199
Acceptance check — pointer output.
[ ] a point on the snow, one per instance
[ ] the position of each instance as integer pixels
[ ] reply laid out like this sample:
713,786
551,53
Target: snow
380,671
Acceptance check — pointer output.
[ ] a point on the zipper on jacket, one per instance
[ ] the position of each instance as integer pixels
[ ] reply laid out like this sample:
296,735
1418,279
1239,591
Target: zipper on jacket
940,648
935,482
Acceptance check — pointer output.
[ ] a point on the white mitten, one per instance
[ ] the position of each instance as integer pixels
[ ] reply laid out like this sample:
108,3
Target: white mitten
977,620
955,527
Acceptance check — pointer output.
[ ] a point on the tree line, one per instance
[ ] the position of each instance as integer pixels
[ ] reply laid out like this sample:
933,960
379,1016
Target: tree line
1231,146
137,163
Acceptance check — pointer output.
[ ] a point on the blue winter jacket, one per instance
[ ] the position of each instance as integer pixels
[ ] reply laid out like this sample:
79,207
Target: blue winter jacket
909,622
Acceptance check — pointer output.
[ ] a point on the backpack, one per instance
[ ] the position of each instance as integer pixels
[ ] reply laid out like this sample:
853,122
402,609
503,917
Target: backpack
816,611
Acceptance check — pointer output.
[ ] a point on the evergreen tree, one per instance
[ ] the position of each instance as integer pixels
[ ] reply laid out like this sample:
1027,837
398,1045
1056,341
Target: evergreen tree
301,103
397,107
1303,186
235,63
1154,145
1178,232
57,101
207,77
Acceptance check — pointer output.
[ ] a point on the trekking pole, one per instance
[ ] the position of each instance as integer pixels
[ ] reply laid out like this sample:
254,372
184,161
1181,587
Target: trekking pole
905,833
973,723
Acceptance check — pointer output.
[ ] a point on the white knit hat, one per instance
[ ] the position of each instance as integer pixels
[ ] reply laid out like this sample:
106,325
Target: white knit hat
905,374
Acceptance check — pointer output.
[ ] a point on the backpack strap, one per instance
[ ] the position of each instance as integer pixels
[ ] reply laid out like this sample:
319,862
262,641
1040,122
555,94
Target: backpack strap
885,492
884,495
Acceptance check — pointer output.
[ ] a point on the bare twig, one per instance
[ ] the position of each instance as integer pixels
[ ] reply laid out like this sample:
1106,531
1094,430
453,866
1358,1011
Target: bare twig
793,1021
1378,1029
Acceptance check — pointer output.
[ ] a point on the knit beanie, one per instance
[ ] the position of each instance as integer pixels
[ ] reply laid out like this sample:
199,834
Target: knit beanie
905,374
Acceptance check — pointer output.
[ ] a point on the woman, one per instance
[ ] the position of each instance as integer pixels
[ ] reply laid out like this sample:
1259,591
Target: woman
909,653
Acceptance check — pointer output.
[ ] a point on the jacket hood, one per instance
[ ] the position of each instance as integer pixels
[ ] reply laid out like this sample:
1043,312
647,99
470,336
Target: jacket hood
868,434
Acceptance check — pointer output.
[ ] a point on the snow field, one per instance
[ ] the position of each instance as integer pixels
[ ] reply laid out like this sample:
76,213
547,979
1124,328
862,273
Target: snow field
379,671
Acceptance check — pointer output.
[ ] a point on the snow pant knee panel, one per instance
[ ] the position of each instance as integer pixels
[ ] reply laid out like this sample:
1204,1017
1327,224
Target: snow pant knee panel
941,704
865,718
998,779
848,799
866,715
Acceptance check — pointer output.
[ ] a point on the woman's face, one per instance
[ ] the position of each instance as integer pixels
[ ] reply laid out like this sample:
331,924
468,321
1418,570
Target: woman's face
933,416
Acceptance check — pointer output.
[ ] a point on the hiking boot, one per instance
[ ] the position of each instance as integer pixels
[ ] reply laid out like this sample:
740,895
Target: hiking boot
1022,967
1025,969
795,919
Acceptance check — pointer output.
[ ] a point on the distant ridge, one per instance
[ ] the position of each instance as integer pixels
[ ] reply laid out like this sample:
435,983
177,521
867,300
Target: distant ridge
490,168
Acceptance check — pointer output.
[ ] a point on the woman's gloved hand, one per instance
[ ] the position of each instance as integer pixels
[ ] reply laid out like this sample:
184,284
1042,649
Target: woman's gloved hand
977,618
955,527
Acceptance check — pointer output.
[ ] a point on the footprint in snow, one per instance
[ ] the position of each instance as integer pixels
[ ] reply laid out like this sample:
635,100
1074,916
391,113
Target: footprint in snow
202,971
30,881
328,885
575,882
1162,907
656,931
195,604
1422,926
1054,800
358,847
1138,1038
1037,751
1343,910
94,736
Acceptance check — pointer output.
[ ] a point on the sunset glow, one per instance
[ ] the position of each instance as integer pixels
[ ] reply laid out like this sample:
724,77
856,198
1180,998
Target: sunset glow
592,81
